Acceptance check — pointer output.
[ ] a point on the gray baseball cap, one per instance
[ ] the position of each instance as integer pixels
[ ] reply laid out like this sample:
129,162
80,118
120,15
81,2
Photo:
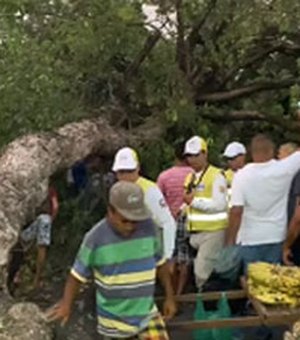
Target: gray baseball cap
128,199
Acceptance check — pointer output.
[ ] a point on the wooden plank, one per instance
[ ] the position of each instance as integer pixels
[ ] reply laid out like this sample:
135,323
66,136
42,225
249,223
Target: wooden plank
260,308
266,316
276,320
271,311
283,312
248,321
208,296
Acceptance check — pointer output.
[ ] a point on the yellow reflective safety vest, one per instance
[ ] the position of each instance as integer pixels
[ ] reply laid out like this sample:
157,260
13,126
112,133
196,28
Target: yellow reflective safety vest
198,220
229,174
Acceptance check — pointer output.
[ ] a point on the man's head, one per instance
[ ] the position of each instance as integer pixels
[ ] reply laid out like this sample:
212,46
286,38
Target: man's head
286,149
235,154
195,151
262,148
179,153
126,207
126,165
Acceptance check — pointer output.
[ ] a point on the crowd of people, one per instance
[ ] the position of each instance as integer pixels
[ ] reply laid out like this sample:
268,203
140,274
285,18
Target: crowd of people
195,216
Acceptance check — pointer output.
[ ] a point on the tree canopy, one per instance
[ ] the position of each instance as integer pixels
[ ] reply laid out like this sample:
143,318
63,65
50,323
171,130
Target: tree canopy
229,68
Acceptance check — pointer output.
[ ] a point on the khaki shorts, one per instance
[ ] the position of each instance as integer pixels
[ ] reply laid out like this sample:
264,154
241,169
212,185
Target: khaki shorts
208,244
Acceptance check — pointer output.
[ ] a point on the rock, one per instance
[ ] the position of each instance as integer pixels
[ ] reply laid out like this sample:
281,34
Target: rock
24,321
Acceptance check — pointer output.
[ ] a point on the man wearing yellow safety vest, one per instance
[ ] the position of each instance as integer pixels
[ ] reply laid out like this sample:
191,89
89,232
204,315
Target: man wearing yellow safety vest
235,154
126,166
206,196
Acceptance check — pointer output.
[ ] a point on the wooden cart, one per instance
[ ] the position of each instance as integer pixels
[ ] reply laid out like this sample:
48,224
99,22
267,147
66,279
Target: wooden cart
264,315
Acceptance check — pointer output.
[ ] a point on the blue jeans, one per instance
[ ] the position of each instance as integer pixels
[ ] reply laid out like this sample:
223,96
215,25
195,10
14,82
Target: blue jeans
271,253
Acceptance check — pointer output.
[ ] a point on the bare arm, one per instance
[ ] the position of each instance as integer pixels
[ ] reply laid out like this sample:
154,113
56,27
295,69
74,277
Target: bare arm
164,277
81,272
293,233
40,263
294,228
62,310
235,218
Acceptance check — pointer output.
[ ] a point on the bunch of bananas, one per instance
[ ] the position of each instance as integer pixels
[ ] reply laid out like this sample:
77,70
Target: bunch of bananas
274,284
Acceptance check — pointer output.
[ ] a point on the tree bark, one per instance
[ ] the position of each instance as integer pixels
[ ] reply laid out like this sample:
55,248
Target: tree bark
27,163
245,91
293,126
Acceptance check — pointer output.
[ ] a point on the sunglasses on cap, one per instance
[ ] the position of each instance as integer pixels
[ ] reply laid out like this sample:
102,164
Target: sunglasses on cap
194,154
233,158
126,171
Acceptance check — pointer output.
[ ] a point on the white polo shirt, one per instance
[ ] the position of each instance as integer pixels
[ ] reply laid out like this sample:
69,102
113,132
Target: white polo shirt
161,214
262,189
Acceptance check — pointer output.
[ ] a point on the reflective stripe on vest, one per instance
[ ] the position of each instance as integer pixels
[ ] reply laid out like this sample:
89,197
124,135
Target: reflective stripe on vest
207,217
229,193
229,174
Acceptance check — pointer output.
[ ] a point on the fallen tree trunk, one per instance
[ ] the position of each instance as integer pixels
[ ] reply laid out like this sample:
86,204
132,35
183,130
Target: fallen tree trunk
27,163
25,167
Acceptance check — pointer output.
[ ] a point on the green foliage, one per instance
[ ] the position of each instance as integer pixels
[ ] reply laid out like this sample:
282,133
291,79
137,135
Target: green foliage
77,215
61,60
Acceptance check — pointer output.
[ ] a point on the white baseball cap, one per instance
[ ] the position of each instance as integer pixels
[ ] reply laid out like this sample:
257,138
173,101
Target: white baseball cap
194,146
125,159
234,149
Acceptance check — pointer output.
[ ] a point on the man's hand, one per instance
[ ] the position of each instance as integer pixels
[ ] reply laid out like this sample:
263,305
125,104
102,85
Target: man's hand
60,311
229,241
287,257
188,198
171,266
234,222
169,308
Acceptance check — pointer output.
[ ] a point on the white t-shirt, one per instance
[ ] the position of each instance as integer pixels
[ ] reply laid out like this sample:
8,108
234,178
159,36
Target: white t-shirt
161,214
262,189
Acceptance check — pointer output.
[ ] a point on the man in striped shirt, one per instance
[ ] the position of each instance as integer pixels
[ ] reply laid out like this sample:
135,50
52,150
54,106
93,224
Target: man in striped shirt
121,254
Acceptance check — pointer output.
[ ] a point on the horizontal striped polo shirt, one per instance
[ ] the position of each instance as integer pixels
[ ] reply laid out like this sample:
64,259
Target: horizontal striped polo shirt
124,270
171,184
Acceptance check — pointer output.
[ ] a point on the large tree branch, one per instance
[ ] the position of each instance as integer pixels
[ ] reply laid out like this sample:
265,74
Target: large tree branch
245,91
242,115
283,47
194,35
181,53
248,62
25,166
28,162
182,48
248,115
149,44
289,48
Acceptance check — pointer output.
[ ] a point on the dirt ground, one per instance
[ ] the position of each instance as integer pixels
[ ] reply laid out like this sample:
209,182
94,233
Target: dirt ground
82,325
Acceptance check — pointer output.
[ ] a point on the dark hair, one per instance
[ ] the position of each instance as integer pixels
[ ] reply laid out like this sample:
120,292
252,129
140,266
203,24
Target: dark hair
45,207
178,150
111,208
